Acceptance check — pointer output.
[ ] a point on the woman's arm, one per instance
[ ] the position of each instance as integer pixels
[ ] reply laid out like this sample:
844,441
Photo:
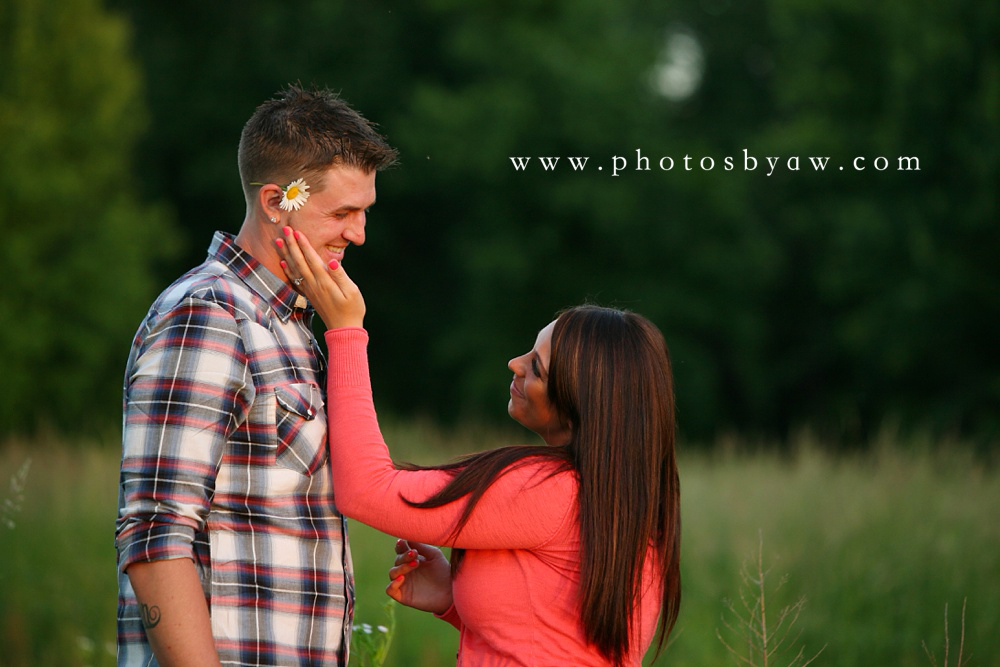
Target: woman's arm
522,509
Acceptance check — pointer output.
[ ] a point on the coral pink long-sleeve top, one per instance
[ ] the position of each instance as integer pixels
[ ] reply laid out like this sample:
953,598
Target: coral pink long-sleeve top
516,594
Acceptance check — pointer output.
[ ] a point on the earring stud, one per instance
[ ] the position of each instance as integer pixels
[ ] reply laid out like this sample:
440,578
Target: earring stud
274,219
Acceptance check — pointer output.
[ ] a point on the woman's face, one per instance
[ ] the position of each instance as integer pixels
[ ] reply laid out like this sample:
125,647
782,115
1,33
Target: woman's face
529,398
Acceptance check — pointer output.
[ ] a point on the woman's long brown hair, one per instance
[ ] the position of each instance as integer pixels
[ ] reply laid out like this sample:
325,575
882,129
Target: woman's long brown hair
610,378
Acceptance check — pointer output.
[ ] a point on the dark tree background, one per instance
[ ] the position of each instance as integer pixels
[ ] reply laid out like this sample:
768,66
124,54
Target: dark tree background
839,300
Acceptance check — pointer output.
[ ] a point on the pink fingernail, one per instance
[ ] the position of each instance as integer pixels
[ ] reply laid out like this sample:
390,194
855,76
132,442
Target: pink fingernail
287,231
279,243
411,554
334,264
283,264
298,237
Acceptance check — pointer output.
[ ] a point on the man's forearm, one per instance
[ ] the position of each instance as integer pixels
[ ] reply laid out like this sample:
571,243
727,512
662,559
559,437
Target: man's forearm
174,612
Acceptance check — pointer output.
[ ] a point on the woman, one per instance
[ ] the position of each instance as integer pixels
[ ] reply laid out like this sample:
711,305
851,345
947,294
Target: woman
563,554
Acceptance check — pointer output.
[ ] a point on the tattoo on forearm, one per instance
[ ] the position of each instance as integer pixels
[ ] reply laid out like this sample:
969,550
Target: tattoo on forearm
150,616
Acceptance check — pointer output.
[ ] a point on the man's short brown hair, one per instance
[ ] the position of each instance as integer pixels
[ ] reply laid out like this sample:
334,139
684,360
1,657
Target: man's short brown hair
302,133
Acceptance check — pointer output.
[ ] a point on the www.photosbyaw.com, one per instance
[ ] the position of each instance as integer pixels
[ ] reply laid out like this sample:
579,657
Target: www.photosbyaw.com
768,164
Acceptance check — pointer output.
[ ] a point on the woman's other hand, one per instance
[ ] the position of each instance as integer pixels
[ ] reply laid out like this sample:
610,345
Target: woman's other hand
421,578
328,288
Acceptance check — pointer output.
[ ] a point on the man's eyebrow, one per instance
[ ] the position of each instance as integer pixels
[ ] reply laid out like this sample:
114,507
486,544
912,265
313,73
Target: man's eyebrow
351,207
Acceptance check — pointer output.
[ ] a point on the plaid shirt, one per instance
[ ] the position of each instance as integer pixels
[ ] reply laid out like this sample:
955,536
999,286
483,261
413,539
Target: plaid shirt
225,462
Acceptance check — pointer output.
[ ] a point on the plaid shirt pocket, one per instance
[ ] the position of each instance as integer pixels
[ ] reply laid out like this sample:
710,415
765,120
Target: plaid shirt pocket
301,436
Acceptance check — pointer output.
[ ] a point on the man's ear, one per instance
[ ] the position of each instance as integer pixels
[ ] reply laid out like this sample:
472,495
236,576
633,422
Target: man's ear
268,199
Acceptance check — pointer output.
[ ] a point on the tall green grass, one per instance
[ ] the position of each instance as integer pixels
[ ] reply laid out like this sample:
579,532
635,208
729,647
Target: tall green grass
58,585
876,542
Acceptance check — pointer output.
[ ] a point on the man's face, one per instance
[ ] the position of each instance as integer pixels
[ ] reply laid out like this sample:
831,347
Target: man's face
334,218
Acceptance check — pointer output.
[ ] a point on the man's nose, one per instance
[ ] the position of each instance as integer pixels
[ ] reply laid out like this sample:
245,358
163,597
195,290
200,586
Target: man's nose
355,230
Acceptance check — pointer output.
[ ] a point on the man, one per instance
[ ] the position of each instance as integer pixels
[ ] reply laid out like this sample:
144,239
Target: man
230,548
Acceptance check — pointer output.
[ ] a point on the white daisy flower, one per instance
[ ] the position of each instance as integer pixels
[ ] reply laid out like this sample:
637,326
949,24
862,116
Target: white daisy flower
296,195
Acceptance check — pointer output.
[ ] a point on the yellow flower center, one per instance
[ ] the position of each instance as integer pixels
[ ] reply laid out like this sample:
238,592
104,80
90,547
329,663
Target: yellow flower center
291,193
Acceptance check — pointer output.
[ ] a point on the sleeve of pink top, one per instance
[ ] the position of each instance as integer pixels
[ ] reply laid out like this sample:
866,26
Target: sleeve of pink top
521,510
451,616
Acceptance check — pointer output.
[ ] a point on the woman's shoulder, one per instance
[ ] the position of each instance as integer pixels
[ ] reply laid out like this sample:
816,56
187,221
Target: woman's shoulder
538,496
542,472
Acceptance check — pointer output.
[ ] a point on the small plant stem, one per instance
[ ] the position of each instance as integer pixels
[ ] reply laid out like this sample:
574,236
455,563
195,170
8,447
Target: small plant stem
947,641
961,639
760,583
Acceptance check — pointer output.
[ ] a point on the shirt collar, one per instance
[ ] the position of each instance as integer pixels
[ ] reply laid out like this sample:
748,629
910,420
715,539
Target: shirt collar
278,294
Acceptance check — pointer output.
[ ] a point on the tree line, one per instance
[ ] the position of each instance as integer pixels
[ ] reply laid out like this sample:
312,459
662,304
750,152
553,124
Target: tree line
836,299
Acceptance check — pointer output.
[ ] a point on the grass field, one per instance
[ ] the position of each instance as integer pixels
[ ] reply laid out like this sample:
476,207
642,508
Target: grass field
877,543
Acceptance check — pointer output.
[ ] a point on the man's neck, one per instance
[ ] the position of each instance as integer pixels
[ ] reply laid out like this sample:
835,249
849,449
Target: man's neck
258,240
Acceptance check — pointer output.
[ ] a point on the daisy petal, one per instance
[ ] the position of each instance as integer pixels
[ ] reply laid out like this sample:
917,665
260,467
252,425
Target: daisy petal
295,196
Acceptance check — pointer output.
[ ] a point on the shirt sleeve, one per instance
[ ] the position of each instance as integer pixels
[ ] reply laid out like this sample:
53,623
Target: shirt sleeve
451,617
522,509
187,390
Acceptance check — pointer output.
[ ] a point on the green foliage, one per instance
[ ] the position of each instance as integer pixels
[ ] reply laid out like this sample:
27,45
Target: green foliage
840,299
370,645
880,305
57,571
878,543
11,504
78,245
